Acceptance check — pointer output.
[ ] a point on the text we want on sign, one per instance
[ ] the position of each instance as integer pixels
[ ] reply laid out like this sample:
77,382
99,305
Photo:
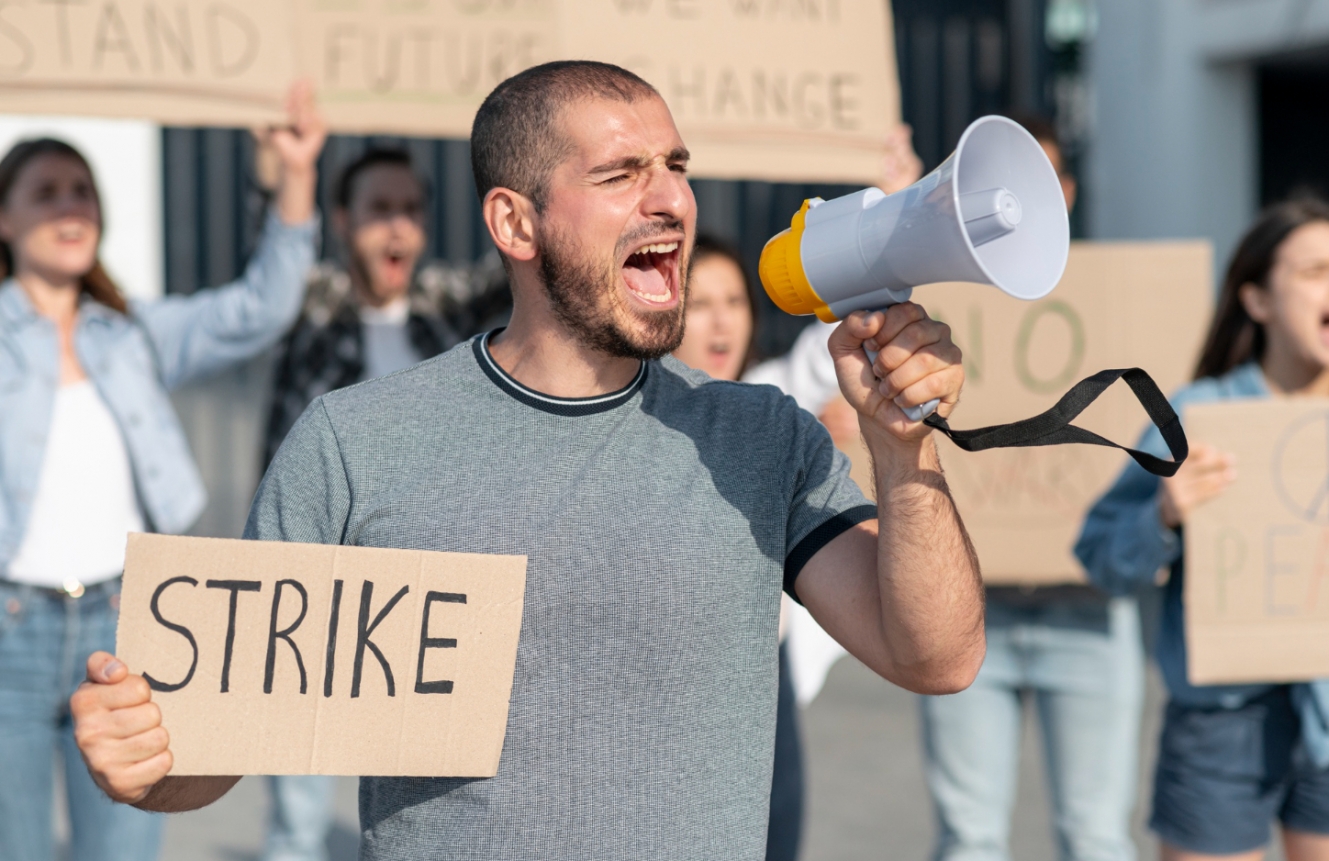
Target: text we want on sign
772,89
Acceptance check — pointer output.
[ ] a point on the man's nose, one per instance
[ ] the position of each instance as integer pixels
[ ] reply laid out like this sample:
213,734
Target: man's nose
668,195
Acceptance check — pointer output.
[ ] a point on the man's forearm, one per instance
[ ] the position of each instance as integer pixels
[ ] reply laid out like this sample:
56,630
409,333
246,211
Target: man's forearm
930,589
181,794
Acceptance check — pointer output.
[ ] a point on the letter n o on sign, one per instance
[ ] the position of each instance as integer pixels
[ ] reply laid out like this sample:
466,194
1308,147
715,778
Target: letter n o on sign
1057,382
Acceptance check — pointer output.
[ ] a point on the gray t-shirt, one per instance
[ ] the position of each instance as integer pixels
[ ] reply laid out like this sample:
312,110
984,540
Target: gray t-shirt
660,523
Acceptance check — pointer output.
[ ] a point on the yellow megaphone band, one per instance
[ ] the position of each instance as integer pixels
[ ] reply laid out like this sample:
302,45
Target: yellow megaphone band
781,272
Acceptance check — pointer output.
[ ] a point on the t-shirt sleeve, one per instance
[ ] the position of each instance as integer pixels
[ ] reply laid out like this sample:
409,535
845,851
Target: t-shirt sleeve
304,496
824,500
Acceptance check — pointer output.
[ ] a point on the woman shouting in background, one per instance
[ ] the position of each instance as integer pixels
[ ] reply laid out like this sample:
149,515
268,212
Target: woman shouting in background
1233,759
91,450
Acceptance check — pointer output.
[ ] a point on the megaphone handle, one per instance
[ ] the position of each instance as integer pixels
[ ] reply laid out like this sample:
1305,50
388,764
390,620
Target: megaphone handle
914,414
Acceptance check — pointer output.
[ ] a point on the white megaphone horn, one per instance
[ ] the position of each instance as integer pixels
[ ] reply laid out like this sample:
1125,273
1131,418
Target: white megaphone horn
992,213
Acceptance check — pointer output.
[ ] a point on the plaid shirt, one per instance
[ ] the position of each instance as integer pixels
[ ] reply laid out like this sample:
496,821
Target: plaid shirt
325,348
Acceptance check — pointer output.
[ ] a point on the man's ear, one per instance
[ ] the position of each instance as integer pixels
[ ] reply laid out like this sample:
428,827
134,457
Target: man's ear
1256,300
511,220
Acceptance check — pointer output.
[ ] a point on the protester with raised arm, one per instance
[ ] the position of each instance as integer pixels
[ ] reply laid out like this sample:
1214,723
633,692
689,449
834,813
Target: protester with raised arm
661,513
380,309
91,450
1232,759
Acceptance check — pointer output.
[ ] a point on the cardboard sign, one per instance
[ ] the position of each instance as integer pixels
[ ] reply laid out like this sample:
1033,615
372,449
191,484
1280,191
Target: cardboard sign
1257,556
1119,305
761,89
275,658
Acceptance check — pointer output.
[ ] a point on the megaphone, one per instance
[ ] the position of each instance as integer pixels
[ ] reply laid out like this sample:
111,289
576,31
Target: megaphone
992,213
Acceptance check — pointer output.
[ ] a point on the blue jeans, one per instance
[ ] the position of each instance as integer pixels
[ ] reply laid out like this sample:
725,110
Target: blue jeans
45,641
1081,664
301,817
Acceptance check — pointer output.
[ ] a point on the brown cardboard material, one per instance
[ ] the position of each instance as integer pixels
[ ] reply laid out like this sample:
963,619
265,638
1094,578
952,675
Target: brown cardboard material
760,89
1257,556
1119,305
219,595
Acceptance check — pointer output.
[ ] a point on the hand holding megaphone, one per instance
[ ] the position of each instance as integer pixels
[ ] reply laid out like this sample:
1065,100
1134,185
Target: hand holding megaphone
992,213
918,364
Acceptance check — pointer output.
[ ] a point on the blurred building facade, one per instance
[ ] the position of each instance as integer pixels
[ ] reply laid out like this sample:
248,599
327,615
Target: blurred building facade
1202,112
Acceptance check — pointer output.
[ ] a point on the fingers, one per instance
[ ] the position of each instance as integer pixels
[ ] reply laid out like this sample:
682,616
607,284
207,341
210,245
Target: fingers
130,691
104,668
119,730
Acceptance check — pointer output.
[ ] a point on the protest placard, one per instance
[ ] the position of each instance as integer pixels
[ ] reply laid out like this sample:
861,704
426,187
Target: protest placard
760,89
1119,305
1257,556
281,658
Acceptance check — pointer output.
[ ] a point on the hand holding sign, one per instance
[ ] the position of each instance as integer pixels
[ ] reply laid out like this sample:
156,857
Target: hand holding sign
119,730
1204,475
297,147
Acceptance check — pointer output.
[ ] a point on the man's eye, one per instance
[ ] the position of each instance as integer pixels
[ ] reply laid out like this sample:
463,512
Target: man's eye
615,179
679,168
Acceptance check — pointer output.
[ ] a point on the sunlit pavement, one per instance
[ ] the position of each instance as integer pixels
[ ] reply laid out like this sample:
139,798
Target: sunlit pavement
867,799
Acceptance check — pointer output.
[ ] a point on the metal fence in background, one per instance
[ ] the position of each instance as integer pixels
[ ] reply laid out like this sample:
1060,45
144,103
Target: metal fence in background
958,59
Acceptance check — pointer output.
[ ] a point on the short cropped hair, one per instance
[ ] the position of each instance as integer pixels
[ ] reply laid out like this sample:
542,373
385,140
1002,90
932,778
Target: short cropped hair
515,140
344,189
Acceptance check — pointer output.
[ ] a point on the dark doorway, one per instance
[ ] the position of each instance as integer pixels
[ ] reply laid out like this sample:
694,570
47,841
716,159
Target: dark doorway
1294,125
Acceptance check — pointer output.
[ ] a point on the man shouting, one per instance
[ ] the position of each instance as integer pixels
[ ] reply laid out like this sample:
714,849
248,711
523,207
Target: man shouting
662,513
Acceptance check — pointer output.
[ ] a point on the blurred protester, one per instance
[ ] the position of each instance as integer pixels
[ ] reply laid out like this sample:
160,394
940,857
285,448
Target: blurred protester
660,511
1076,655
384,311
1232,758
91,450
718,338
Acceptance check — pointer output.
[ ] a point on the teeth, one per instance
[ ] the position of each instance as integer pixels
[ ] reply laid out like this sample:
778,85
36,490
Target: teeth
658,248
653,297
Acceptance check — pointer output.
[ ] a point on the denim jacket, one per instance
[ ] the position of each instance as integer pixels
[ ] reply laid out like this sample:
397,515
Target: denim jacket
1123,545
134,361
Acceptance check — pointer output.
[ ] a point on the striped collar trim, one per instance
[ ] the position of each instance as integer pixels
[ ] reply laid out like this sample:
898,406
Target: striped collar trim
540,401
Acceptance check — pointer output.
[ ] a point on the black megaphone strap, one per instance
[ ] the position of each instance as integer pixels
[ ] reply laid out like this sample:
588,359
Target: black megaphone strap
1054,426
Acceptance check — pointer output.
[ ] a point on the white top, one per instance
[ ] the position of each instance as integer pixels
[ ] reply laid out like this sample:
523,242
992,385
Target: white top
387,339
85,506
806,372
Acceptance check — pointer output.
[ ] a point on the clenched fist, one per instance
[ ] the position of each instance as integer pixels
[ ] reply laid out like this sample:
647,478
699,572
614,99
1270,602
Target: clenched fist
916,362
119,730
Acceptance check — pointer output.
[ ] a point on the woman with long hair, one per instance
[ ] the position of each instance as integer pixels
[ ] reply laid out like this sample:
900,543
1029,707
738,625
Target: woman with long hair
91,450
1233,759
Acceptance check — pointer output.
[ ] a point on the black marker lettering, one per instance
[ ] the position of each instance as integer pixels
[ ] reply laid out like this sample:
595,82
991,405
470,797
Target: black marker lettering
62,25
179,629
161,36
363,629
235,587
119,42
332,637
285,634
20,41
428,642
223,67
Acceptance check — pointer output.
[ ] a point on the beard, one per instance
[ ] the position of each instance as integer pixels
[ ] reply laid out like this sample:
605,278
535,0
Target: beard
587,300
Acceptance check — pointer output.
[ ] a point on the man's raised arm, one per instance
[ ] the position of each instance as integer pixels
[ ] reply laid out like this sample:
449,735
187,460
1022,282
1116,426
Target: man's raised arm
902,593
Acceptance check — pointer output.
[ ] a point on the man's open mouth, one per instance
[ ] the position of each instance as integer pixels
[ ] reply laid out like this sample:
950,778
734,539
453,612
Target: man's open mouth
651,273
